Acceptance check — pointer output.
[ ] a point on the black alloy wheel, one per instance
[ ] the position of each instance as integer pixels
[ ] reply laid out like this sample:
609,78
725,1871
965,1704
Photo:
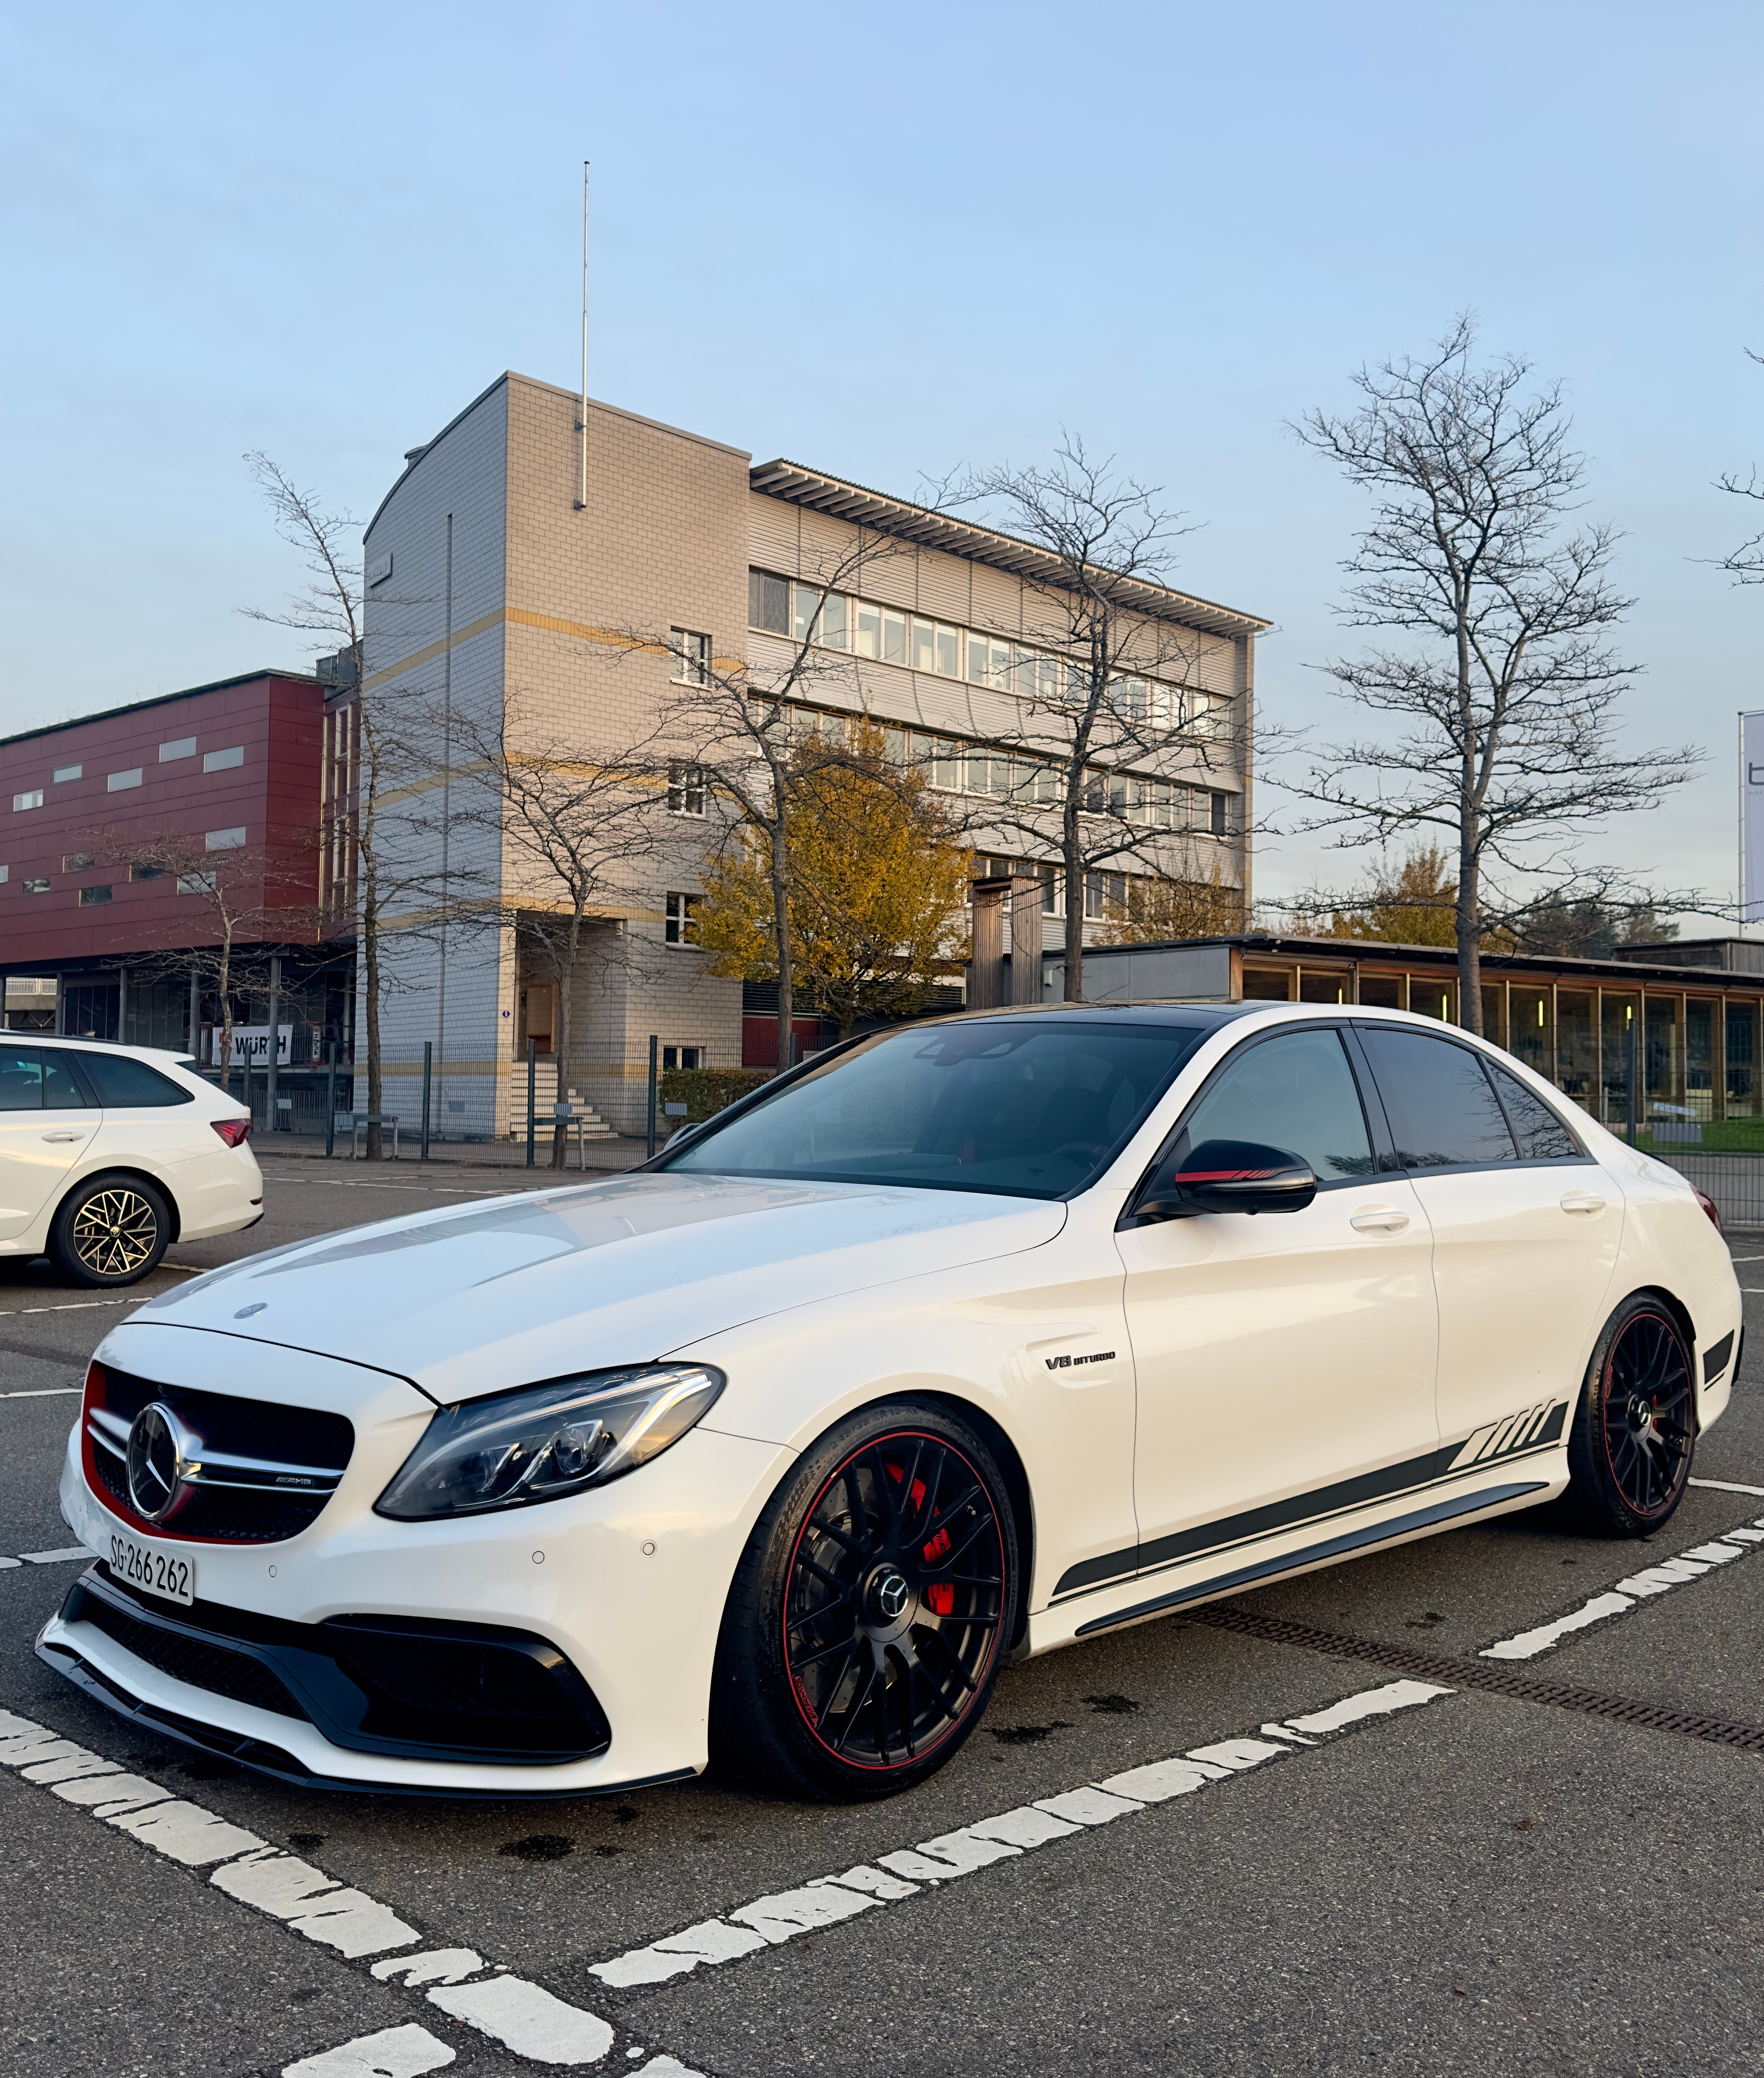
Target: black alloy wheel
111,1230
1634,1430
871,1612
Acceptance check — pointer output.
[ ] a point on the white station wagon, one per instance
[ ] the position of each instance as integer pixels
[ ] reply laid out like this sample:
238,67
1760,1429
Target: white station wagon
969,1341
109,1153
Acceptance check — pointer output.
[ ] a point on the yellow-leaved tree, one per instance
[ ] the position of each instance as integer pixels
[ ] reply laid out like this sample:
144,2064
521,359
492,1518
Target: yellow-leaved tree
879,882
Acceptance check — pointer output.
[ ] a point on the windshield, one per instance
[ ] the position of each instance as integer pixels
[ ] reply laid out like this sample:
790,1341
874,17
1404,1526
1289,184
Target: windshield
1033,1108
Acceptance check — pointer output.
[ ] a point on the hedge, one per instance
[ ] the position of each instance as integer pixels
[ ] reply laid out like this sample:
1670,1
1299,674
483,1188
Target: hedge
704,1092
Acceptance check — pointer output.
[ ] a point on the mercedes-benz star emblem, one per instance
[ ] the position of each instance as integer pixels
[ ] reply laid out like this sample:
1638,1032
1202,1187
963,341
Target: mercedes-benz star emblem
891,1592
158,1456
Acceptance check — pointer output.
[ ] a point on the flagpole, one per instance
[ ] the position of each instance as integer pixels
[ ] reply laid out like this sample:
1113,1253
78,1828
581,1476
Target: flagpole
582,423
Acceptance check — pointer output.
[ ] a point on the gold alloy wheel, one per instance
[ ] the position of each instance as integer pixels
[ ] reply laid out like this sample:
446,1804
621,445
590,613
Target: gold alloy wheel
115,1232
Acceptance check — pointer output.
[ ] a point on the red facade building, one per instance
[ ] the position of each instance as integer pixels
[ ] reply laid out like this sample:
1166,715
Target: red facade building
232,766
230,773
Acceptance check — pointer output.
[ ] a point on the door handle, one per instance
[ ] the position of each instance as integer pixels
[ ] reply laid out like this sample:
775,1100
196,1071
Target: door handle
64,1135
1583,1202
1378,1219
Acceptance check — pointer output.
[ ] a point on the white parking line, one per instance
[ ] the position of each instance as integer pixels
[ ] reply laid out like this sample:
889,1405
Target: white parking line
1727,1485
74,1306
45,1393
1656,1579
47,1558
523,2017
825,1901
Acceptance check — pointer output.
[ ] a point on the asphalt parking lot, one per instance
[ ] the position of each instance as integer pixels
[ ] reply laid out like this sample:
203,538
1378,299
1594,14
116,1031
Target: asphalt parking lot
1386,1851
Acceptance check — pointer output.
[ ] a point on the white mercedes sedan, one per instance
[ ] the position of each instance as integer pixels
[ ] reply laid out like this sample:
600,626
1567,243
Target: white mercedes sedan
967,1340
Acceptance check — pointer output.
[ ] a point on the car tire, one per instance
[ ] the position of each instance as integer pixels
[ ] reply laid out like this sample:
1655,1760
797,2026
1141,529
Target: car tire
870,1612
112,1230
1634,1428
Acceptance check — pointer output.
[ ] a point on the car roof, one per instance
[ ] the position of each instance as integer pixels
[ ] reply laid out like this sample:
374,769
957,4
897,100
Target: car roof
100,1046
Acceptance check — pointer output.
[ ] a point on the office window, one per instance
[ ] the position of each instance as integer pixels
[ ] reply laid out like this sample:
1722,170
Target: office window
224,840
685,789
75,861
1215,823
946,764
5,870
834,620
36,887
63,774
691,657
196,883
894,629
34,799
682,925
146,872
223,761
979,661
1100,889
185,746
924,644
949,652
119,782
805,613
682,1057
867,641
768,602
91,897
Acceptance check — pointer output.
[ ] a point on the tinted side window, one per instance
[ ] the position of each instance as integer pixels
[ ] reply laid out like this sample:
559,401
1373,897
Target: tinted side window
21,1079
61,1089
1297,1092
123,1084
1440,1106
1541,1136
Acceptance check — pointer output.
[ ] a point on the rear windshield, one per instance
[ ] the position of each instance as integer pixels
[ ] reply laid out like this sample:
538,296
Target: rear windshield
1034,1109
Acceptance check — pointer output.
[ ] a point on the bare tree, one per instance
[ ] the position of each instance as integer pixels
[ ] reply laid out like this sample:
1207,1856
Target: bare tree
1745,564
572,830
1107,709
1505,690
245,895
386,756
743,752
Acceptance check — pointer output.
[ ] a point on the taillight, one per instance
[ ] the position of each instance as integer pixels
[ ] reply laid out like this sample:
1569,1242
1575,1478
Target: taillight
232,1130
1711,1208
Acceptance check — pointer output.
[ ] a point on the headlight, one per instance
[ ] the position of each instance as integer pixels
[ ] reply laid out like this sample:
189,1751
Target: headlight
548,1440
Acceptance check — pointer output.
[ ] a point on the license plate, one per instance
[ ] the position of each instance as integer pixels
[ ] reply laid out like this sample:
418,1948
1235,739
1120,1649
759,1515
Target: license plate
139,1565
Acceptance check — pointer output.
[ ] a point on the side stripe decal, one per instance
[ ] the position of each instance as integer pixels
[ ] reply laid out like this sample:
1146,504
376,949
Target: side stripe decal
1352,1540
1534,1429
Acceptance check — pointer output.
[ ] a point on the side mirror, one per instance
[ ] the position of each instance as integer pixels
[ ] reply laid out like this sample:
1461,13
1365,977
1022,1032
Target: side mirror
1230,1176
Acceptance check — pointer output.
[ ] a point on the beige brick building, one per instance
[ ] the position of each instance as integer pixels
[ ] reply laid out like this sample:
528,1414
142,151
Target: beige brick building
494,587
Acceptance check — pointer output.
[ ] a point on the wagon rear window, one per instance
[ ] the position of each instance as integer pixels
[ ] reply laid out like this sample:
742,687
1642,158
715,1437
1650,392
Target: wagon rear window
1034,1108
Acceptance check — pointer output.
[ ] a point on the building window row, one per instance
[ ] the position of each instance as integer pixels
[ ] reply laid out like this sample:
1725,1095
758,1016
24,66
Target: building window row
954,766
120,782
891,635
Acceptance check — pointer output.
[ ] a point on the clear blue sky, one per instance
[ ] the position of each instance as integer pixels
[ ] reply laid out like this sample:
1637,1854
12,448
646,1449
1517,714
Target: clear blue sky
884,241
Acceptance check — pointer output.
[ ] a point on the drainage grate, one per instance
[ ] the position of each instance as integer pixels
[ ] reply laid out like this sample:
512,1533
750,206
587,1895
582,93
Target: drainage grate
1456,1673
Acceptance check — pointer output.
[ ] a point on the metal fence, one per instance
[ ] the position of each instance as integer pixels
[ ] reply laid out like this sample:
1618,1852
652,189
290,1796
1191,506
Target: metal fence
1735,1182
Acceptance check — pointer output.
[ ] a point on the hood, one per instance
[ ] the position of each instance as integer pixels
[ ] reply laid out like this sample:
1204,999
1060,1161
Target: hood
472,1301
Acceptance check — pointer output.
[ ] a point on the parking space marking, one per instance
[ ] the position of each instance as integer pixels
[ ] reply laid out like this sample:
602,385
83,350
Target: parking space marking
523,2017
45,1393
72,1306
1727,1485
69,1551
903,1872
1659,1578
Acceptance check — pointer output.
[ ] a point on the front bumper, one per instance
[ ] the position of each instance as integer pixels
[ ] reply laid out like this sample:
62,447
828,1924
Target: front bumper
624,1586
